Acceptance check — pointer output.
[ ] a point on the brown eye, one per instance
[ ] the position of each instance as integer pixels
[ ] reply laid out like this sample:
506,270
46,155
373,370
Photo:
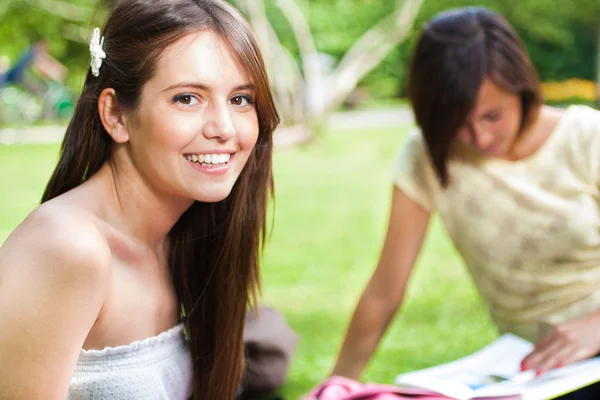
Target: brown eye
185,99
240,101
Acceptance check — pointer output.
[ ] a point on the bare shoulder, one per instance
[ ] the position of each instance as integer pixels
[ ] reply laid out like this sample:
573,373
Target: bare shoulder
60,240
54,276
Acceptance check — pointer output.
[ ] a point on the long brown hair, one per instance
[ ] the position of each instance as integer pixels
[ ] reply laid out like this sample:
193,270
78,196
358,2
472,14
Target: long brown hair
214,247
455,52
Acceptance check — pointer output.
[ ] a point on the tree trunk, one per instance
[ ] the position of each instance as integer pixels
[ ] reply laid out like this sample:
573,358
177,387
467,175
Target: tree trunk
371,49
305,98
314,85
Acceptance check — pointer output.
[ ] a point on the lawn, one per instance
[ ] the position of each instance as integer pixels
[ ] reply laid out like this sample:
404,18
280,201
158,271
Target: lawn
330,216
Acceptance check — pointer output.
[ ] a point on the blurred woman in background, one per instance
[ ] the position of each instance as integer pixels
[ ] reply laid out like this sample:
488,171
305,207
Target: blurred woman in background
516,183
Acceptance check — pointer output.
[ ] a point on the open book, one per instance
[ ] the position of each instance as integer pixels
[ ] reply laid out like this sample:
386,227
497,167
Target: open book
494,373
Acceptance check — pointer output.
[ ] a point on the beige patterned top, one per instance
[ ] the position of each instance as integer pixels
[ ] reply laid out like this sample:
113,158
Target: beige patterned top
528,231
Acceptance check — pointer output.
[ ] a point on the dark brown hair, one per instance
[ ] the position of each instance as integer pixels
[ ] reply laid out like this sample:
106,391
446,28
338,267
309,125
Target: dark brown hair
214,247
455,52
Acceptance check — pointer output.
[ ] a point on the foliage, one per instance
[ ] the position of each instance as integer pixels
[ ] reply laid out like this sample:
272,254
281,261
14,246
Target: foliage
65,25
560,39
560,36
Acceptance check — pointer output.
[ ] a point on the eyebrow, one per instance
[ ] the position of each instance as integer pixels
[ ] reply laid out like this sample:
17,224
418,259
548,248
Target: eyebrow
245,86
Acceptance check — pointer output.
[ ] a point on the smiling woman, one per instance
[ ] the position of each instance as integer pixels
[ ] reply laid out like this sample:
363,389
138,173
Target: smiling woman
143,256
199,103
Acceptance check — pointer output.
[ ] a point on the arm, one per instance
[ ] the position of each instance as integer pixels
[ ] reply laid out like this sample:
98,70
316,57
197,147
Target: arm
46,65
53,276
384,293
49,67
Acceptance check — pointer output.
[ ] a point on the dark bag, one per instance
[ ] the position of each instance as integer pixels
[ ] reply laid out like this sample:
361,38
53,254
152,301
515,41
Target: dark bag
269,345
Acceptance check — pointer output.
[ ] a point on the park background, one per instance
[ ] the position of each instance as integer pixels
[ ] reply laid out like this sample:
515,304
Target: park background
344,119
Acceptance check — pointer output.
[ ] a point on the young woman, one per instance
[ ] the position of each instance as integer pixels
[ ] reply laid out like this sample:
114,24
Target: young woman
152,222
516,184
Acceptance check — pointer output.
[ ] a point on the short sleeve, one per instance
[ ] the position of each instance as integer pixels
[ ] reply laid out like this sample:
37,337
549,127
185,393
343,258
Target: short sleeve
413,171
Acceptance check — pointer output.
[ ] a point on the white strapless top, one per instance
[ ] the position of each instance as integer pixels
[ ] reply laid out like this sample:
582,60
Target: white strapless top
156,368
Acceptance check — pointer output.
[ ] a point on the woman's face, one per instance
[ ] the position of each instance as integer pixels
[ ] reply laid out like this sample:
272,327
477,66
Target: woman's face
196,124
493,125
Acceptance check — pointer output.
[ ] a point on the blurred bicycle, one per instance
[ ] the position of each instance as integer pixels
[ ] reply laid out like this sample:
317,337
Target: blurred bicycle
27,98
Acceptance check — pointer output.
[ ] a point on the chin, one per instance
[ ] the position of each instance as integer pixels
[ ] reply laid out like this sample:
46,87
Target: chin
214,196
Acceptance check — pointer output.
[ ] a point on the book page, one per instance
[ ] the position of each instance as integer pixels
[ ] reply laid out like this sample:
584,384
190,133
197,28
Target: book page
464,378
552,384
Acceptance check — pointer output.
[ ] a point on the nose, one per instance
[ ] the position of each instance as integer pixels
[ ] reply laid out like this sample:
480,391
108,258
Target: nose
219,124
481,138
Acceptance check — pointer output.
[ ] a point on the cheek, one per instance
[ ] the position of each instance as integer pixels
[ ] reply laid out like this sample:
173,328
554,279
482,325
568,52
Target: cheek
247,131
174,133
510,127
463,136
512,123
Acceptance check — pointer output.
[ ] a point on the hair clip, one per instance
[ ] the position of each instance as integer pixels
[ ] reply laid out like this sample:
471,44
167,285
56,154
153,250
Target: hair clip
96,51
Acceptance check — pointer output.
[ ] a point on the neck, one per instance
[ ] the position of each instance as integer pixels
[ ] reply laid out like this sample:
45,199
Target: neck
534,137
134,207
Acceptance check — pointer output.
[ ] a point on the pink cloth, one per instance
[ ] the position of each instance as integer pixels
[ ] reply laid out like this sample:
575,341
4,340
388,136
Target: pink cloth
340,388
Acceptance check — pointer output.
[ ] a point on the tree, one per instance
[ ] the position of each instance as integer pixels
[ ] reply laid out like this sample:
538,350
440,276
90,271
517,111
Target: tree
305,93
299,37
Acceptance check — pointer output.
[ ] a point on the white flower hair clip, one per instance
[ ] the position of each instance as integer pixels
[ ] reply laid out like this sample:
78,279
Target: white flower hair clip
97,52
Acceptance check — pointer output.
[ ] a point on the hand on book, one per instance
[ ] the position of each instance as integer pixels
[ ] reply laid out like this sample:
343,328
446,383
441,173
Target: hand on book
567,343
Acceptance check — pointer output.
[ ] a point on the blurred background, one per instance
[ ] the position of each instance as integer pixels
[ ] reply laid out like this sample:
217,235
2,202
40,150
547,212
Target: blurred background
338,70
330,54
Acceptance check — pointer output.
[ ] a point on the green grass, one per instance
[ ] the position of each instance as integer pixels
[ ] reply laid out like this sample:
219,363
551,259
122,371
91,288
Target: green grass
24,171
331,212
330,216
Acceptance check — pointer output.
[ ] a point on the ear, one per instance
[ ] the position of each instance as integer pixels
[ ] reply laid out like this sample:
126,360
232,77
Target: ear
112,116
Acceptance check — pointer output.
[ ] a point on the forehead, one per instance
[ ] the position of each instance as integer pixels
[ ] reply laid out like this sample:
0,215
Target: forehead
490,95
201,57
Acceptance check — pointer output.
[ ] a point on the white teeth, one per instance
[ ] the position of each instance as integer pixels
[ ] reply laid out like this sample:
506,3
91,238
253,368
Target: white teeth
213,159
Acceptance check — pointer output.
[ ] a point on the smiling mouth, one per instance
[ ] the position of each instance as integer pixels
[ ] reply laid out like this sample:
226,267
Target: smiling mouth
209,160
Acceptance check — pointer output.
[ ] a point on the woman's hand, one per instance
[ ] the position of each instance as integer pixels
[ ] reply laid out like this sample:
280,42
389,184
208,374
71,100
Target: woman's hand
567,343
